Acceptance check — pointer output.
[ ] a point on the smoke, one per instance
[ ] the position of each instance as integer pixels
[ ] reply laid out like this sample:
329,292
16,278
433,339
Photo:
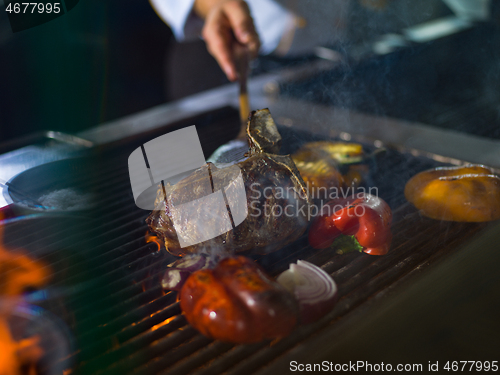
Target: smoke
374,71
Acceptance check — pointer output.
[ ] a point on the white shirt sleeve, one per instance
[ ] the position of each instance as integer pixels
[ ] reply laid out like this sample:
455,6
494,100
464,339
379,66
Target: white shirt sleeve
270,18
271,22
179,15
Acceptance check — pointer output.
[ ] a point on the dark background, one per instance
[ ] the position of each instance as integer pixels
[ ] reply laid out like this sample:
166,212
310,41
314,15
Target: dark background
106,59
100,61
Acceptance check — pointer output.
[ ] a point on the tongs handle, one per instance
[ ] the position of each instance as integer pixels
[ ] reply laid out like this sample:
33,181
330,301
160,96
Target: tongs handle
242,60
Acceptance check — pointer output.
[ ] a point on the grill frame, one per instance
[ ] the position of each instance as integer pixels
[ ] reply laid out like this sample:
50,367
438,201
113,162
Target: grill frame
137,342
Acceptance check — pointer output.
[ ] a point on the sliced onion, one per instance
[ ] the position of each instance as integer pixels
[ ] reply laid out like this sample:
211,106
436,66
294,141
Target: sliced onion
190,263
314,289
174,279
177,272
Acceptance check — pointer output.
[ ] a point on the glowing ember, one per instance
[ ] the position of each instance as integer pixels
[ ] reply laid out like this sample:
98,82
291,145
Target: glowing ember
165,322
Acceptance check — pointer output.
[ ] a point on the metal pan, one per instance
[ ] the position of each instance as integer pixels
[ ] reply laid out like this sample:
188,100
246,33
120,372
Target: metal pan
61,186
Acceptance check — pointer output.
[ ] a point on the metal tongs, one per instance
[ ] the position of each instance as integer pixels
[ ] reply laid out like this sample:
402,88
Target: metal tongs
242,59
235,150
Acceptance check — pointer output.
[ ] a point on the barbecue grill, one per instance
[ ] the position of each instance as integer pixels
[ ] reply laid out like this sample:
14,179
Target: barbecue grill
437,286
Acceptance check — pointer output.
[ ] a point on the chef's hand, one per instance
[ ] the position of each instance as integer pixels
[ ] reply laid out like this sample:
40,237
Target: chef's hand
227,22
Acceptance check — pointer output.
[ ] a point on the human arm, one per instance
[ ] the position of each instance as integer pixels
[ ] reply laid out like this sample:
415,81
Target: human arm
227,22
270,19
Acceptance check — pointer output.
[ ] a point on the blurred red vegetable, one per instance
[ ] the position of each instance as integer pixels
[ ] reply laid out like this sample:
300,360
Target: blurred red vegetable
237,302
366,220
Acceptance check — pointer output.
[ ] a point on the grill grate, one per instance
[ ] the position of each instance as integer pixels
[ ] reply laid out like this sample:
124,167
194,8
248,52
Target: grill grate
125,324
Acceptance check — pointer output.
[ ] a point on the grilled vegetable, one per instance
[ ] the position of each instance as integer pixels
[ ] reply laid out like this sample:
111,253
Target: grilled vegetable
340,152
177,272
237,302
362,224
319,174
314,289
322,163
470,193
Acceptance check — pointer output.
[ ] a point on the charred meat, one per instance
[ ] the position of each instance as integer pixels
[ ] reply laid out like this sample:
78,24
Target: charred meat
259,204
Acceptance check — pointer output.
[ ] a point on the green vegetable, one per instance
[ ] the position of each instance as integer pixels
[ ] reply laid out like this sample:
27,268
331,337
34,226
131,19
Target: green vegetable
344,244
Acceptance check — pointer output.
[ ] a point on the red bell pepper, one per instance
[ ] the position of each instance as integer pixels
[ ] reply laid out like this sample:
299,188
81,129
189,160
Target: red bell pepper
237,302
362,224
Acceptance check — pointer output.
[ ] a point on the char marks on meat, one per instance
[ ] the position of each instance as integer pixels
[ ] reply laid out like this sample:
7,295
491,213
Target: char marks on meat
271,212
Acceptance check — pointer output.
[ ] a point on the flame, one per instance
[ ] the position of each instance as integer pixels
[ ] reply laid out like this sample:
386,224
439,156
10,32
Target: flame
17,273
151,271
15,355
152,238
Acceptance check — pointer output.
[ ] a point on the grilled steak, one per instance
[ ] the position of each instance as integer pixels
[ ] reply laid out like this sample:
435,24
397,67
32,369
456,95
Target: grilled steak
259,204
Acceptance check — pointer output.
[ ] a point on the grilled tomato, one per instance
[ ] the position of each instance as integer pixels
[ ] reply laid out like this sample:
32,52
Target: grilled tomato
470,193
237,302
